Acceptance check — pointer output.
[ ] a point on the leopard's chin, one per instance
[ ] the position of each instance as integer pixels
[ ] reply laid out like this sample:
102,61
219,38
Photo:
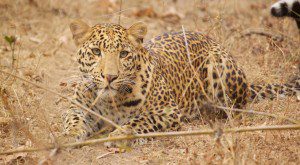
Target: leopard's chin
107,93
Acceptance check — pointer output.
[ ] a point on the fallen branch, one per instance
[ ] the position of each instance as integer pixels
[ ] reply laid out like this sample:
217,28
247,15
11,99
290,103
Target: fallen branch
161,134
277,37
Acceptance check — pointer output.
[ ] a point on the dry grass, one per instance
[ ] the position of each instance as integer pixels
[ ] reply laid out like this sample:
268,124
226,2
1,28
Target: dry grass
30,117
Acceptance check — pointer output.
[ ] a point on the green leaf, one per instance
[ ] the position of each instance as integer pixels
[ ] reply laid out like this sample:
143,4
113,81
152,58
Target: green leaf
10,39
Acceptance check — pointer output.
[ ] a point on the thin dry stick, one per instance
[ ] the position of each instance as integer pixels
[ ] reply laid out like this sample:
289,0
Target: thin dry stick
120,13
103,155
162,134
65,97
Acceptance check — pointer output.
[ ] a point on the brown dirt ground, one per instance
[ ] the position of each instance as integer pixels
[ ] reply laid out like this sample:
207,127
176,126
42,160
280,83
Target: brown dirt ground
46,55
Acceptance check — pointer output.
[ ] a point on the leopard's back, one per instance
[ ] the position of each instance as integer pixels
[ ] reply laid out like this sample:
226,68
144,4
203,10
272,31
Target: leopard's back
198,70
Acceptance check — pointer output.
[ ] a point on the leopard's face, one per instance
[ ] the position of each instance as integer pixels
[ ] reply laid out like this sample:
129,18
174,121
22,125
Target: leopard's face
108,56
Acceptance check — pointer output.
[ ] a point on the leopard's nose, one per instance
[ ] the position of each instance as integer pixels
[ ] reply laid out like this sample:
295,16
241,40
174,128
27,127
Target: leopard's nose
111,78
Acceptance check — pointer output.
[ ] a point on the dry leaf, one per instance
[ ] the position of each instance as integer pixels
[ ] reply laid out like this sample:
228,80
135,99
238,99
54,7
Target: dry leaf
117,150
35,40
172,15
63,84
32,55
146,12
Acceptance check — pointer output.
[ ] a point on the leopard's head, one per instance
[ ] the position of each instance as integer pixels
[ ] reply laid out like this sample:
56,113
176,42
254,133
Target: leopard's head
110,54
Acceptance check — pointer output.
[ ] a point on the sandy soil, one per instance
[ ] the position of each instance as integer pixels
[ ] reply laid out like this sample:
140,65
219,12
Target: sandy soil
31,117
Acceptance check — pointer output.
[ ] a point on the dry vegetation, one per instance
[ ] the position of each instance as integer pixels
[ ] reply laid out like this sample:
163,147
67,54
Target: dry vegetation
44,53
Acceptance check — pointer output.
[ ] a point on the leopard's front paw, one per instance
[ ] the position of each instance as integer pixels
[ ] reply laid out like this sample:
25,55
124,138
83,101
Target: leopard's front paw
124,143
75,128
76,134
120,143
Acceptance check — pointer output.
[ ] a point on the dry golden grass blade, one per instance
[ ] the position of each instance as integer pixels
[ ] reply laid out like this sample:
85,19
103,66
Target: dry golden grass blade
120,13
162,134
196,75
67,98
260,113
5,120
16,124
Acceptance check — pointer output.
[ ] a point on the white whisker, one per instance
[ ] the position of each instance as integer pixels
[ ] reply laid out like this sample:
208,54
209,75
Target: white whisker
89,86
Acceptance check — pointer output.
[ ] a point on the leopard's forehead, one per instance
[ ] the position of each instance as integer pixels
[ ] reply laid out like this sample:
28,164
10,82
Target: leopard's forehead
109,29
109,36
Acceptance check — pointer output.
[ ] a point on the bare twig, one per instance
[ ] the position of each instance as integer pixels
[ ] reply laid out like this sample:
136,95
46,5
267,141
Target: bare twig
162,134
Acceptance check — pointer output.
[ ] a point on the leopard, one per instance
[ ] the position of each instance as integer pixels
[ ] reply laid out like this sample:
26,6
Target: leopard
157,85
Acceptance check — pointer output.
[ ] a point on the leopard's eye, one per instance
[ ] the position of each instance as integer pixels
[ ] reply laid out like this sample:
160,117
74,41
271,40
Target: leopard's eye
96,51
123,54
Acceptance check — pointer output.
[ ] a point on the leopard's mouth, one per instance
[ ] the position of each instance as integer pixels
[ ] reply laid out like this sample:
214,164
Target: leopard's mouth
109,87
107,92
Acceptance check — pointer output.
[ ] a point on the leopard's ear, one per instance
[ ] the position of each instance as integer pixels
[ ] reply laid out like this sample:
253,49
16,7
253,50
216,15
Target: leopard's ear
80,31
137,32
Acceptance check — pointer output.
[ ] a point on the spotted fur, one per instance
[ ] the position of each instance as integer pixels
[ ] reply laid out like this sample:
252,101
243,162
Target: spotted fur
151,87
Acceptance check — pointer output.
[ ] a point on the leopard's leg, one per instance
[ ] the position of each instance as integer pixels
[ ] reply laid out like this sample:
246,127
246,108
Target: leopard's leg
75,124
153,120
76,121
